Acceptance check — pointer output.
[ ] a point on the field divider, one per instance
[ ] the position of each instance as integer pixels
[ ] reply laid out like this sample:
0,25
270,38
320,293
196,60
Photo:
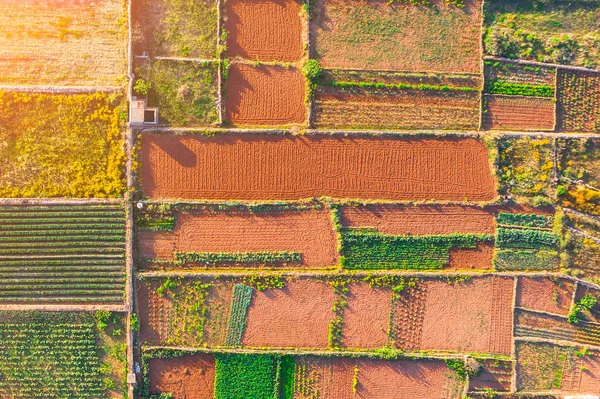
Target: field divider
200,60
540,64
542,312
513,352
61,201
556,342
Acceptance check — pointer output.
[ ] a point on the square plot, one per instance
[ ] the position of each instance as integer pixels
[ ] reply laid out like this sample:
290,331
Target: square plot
185,377
265,95
265,30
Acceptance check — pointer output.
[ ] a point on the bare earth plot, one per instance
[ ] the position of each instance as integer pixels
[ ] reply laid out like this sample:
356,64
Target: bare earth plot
263,167
186,377
63,42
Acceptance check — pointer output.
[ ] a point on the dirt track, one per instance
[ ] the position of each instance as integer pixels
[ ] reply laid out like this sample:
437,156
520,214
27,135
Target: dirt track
275,167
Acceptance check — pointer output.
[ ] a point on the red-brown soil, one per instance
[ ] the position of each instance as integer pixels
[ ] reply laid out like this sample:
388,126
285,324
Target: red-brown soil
296,316
479,258
407,317
185,377
264,95
405,109
366,316
385,379
474,316
541,293
518,113
264,30
323,378
494,374
276,167
584,376
155,313
309,232
419,220
218,306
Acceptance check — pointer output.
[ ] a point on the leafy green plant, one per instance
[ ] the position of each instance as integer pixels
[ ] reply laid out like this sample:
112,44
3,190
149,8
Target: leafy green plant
399,86
336,325
524,220
167,286
523,259
142,87
215,258
262,283
524,238
242,296
312,70
241,376
519,89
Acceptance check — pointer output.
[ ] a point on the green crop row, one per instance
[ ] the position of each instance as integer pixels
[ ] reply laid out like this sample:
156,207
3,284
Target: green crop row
522,259
237,257
59,244
55,240
77,262
524,220
525,239
242,376
39,220
68,250
519,89
371,250
399,86
60,233
62,208
65,226
242,296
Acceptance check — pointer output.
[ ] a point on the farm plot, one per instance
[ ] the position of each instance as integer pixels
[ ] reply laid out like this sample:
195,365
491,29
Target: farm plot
175,28
269,238
264,95
63,43
545,294
578,100
474,316
546,367
55,355
543,326
265,167
185,377
398,36
390,108
494,374
185,92
62,253
579,159
265,30
592,314
297,315
61,145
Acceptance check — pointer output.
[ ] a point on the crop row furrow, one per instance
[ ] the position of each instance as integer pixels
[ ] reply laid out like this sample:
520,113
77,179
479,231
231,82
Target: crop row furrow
61,232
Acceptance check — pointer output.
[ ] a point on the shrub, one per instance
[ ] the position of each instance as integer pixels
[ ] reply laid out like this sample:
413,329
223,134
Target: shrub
312,70
142,87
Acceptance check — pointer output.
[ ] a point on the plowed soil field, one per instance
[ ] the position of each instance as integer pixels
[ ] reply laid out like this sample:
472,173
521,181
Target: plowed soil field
185,377
578,101
541,293
518,113
296,316
406,109
479,258
310,233
273,167
264,95
419,220
264,30
366,317
474,316
155,313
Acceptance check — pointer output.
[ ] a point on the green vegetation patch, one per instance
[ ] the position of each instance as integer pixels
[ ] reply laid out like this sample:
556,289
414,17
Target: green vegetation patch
240,376
519,89
398,86
288,370
216,258
524,220
541,365
60,355
544,30
59,145
521,259
580,159
185,92
525,238
370,250
238,315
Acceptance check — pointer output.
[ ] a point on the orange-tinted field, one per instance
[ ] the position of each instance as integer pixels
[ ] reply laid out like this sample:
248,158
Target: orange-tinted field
541,293
296,316
366,317
264,95
474,316
185,377
264,30
518,113
278,167
419,220
309,232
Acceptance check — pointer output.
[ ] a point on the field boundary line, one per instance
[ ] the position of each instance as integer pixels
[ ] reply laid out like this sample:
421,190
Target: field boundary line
542,312
513,349
219,99
404,72
556,99
64,307
540,64
200,60
61,89
556,342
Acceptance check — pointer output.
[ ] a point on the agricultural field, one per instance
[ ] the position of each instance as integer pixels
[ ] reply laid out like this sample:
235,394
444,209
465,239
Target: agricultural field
404,36
283,167
63,43
62,253
578,95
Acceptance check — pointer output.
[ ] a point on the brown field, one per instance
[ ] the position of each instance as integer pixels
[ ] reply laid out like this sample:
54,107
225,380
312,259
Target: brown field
518,113
382,35
366,317
308,232
541,293
419,220
578,101
404,109
407,323
264,30
475,316
155,313
276,167
56,42
296,316
323,378
479,258
264,95
494,374
185,377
